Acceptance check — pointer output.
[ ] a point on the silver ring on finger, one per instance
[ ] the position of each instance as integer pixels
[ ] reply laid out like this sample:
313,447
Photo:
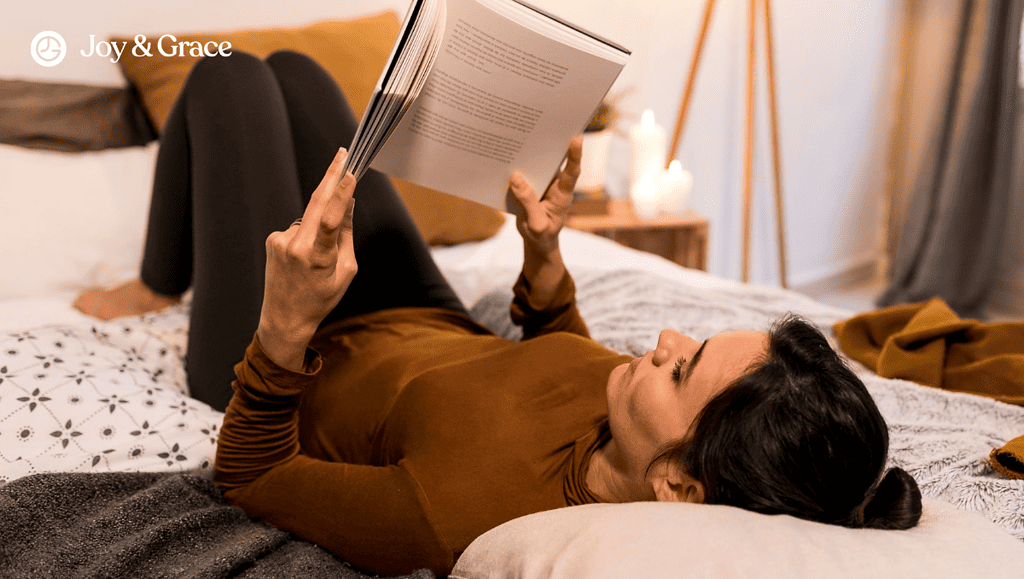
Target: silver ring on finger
297,221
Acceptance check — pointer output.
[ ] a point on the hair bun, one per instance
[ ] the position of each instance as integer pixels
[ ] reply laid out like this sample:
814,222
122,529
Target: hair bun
896,503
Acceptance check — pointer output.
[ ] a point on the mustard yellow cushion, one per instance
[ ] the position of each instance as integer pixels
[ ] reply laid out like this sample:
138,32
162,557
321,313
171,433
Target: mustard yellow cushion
353,52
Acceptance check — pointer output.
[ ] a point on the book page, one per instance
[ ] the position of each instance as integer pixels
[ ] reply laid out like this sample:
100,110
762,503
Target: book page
500,98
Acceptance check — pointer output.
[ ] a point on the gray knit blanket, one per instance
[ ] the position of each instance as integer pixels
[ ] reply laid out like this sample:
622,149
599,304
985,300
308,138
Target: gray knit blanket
942,438
141,525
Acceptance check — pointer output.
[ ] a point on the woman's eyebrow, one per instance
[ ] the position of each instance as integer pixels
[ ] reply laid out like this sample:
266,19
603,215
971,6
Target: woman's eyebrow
693,363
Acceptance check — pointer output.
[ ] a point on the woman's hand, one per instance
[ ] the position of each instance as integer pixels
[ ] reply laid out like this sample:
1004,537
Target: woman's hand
309,267
540,220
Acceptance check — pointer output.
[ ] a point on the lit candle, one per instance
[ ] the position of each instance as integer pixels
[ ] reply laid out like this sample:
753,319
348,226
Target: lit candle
646,147
676,186
645,196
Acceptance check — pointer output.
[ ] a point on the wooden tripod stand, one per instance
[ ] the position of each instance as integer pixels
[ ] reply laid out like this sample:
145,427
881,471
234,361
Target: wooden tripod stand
749,155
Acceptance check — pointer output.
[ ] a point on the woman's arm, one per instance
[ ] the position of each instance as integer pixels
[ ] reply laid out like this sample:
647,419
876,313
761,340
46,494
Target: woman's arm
374,517
309,267
544,293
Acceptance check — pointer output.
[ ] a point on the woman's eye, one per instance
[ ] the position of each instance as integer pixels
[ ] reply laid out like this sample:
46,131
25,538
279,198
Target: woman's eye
676,370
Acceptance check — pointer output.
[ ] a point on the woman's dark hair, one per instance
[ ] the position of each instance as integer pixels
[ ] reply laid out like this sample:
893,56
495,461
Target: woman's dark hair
800,435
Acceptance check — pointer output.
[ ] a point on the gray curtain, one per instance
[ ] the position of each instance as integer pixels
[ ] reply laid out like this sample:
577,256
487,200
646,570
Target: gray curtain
955,224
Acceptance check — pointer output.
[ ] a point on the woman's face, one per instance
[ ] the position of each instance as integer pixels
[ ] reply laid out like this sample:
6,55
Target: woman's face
653,400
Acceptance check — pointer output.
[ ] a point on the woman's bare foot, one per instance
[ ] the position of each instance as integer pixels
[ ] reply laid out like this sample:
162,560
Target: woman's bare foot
128,299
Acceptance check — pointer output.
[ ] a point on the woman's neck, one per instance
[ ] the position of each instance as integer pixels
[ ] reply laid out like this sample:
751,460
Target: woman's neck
611,477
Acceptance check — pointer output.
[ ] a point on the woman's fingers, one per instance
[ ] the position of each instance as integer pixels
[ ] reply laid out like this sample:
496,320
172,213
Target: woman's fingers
323,193
326,210
523,192
562,187
334,215
571,172
346,266
560,192
329,182
345,239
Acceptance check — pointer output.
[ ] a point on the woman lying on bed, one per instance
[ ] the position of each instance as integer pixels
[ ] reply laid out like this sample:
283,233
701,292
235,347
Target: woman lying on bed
372,416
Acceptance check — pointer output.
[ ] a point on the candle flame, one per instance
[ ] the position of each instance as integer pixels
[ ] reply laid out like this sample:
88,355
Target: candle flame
675,169
647,119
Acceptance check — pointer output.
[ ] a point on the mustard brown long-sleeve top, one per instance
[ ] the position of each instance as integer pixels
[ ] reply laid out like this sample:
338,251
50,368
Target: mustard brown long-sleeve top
417,430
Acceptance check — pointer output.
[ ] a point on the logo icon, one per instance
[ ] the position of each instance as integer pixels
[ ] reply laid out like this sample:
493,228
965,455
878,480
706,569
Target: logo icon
48,48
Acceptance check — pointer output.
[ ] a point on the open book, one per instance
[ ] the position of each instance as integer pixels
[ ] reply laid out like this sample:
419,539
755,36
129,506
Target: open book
475,90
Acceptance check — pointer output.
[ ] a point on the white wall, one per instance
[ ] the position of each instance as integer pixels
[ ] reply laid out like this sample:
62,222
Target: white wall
831,58
831,65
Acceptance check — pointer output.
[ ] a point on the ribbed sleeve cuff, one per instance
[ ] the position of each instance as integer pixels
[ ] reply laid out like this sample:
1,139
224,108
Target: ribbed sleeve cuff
523,307
560,315
260,373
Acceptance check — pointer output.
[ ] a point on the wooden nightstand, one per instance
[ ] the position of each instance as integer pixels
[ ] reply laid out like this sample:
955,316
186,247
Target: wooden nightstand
681,238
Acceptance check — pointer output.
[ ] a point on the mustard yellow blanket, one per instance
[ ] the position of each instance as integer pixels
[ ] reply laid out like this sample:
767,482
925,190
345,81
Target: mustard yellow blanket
929,344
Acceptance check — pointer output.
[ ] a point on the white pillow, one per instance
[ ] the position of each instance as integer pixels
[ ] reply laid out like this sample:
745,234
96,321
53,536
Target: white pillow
657,540
71,220
105,397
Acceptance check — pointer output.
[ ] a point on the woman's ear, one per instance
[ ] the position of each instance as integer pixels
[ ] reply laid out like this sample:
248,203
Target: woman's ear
674,485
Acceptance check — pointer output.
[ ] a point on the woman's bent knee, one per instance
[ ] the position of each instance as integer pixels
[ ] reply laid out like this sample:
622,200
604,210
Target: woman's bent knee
286,57
220,69
225,83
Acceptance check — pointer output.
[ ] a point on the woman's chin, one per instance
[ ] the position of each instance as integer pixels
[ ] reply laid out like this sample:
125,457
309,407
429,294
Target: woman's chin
616,381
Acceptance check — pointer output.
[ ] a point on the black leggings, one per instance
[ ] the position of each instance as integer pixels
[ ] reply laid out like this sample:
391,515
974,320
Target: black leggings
244,147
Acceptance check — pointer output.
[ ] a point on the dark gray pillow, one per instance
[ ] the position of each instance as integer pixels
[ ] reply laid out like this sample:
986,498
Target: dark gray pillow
71,117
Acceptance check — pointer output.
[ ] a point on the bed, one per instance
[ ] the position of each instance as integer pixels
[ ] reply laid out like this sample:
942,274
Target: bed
84,401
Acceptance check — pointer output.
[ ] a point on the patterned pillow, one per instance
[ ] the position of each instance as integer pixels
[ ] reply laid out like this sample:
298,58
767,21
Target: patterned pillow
110,397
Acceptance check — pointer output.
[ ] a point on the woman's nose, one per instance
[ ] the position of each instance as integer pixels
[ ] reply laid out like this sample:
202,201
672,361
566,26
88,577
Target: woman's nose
671,345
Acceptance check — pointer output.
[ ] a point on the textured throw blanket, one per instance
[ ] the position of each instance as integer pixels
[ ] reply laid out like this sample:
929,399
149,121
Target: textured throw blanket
942,438
139,525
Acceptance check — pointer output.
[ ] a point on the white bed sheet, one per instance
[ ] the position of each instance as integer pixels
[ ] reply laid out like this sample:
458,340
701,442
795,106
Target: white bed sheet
20,314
